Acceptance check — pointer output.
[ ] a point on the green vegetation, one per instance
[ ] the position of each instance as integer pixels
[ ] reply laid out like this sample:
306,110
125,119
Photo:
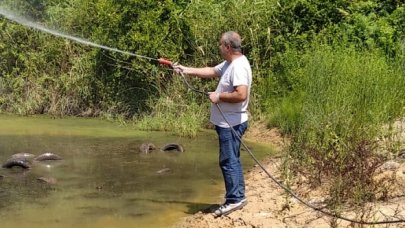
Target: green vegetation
338,116
328,73
172,112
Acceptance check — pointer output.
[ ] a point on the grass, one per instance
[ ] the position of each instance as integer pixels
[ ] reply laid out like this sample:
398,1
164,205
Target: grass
175,110
335,114
331,99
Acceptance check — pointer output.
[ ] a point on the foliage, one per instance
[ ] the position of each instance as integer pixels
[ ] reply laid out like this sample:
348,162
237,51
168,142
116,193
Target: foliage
175,114
346,97
328,73
181,30
115,83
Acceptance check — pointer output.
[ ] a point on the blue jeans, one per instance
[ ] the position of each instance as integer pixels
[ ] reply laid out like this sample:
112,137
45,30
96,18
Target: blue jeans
229,154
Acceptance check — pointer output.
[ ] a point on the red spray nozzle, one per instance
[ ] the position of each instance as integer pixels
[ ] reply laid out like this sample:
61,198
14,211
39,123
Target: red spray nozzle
165,61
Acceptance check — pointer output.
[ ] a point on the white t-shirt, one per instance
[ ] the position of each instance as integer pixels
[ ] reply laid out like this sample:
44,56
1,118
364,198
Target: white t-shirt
232,74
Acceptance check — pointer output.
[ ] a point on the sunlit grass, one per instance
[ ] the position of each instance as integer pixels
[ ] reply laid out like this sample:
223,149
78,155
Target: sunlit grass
342,99
176,111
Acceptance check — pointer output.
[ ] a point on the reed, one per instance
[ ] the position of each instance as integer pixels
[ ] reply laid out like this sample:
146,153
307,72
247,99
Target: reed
342,99
176,111
331,99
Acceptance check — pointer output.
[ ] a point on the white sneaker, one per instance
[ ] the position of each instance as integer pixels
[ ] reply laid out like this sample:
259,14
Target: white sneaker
227,208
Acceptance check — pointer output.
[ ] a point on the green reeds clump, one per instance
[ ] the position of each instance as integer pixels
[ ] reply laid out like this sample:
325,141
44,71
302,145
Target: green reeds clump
341,101
176,111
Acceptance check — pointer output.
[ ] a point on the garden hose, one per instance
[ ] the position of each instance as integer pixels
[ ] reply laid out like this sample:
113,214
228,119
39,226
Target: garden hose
13,17
334,215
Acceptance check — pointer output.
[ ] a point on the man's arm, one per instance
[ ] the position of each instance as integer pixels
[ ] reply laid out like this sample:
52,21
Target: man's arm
203,72
239,94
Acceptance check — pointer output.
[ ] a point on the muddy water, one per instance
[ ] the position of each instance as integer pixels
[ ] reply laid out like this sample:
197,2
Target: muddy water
103,180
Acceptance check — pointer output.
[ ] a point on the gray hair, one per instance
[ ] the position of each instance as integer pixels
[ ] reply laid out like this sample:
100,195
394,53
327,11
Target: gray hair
232,39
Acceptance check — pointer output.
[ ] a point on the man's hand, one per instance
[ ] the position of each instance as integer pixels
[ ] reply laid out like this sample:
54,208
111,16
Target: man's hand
214,97
239,94
178,68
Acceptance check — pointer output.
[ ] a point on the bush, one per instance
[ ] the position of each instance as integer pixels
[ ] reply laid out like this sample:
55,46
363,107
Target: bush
347,96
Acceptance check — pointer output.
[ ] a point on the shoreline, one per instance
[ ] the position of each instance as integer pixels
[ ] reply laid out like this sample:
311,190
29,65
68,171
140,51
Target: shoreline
270,206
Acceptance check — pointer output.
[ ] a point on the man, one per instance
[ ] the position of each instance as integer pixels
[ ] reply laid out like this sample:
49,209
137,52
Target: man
232,95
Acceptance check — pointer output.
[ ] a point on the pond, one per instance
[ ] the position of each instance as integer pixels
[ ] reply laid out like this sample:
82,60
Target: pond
103,180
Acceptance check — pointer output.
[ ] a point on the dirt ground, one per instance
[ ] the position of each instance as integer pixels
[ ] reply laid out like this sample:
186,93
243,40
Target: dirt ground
267,202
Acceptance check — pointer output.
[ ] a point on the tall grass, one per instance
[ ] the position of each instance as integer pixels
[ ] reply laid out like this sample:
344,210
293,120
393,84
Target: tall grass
340,103
176,111
184,113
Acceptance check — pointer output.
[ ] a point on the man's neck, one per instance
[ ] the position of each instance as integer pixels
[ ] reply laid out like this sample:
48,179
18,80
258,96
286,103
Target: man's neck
234,56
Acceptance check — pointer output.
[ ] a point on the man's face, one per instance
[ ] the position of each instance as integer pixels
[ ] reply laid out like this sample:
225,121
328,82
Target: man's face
223,49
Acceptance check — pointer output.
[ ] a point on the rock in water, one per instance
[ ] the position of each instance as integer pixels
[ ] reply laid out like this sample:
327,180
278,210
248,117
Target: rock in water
147,148
10,163
23,156
48,156
172,147
48,180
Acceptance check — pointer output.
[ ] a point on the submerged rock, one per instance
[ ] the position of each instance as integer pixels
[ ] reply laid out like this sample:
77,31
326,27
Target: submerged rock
21,156
173,147
163,170
48,156
146,148
48,180
12,162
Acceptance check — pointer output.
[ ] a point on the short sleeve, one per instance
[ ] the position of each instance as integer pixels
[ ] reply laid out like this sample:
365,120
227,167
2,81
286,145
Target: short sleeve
240,76
220,68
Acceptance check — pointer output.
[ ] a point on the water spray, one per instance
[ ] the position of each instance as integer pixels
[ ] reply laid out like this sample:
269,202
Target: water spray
23,21
13,17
